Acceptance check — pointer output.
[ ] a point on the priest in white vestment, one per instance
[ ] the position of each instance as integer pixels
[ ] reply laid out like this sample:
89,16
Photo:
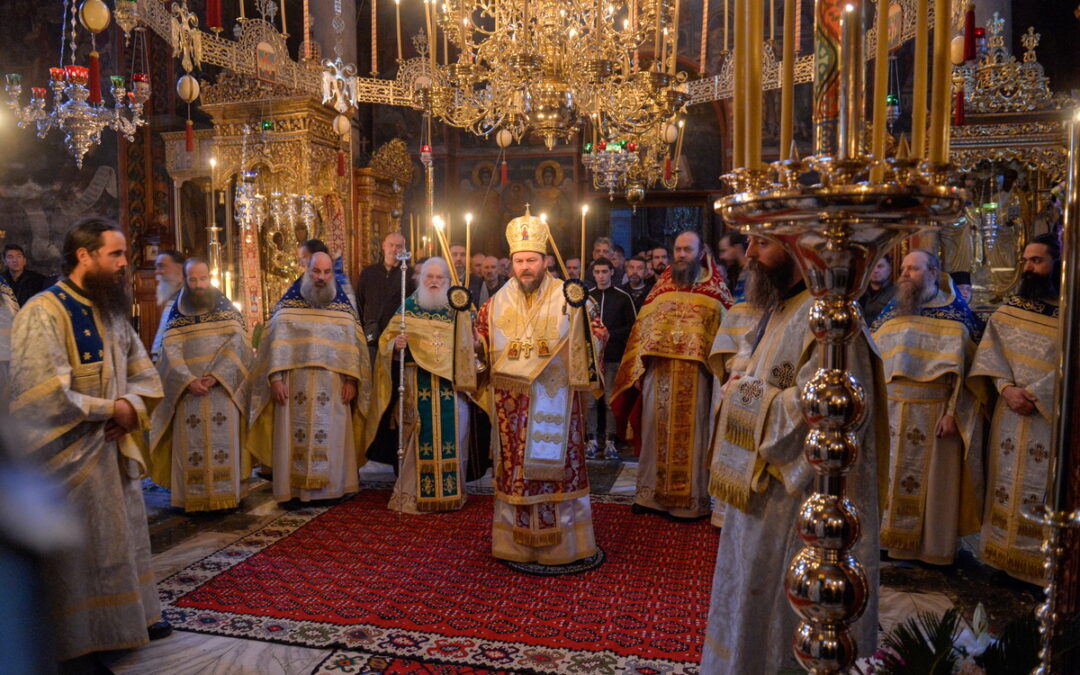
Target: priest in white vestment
196,439
310,389
761,472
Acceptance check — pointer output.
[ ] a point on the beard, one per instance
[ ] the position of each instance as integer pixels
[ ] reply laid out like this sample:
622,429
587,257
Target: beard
684,274
165,290
196,301
1034,286
765,286
531,285
910,297
109,293
431,300
318,296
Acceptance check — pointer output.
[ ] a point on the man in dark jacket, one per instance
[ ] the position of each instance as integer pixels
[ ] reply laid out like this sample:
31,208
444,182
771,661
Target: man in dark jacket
880,291
617,312
24,283
637,286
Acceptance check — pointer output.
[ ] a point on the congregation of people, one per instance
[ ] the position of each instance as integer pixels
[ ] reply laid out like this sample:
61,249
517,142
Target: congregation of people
690,360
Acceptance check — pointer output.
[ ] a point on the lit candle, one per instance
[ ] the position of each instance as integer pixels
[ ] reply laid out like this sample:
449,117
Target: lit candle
726,24
284,29
445,42
468,247
397,13
787,82
942,83
918,103
242,15
374,39
881,90
584,225
755,34
851,74
772,20
678,143
427,24
738,98
675,39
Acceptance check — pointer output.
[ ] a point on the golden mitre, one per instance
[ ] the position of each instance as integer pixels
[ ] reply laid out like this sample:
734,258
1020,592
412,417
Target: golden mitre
527,233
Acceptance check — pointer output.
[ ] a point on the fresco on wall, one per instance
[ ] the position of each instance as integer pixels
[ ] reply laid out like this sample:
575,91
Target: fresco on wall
41,191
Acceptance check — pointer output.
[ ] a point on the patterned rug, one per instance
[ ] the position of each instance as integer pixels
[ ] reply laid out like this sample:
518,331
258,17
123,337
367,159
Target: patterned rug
422,594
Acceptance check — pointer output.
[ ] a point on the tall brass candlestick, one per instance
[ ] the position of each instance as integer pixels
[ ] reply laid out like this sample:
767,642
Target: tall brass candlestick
881,90
942,84
755,38
918,98
851,76
284,29
242,14
787,82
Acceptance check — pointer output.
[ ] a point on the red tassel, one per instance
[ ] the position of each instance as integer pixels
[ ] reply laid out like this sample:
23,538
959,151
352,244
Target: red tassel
969,33
95,78
504,178
189,137
667,168
213,13
341,162
958,113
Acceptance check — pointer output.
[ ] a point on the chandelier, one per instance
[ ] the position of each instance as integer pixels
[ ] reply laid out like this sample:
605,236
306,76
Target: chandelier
638,163
545,66
78,109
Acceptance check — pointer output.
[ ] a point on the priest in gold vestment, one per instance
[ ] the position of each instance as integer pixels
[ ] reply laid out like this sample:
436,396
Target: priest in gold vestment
543,356
83,389
761,473
436,410
664,386
310,389
927,335
9,306
1015,372
196,438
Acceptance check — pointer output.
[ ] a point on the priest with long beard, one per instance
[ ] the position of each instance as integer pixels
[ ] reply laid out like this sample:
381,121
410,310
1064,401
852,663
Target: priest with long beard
761,472
83,389
1014,373
310,389
538,347
664,386
927,337
196,433
436,412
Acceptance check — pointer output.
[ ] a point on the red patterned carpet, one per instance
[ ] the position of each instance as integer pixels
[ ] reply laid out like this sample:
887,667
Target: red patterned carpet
425,589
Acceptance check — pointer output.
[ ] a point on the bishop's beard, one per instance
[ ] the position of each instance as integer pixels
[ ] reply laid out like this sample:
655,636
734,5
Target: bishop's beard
431,300
684,275
318,296
109,293
765,286
165,290
1034,286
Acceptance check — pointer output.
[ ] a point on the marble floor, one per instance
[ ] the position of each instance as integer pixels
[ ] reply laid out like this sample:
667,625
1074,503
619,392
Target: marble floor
178,540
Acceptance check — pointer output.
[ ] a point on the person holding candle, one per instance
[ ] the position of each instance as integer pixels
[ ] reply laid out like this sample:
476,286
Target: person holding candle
1014,373
537,346
665,367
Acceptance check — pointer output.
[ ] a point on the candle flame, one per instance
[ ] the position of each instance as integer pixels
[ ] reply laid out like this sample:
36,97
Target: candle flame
437,221
468,219
584,209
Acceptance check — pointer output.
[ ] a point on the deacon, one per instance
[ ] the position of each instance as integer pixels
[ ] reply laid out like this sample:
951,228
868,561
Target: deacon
310,389
762,474
926,336
436,424
82,388
1016,364
538,347
8,308
195,438
666,363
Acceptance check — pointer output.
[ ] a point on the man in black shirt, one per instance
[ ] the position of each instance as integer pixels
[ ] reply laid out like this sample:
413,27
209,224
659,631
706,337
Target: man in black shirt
25,283
618,314
637,286
880,291
378,298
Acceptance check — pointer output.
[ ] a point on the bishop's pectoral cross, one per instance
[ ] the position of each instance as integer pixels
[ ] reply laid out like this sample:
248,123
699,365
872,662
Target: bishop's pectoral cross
526,347
439,344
